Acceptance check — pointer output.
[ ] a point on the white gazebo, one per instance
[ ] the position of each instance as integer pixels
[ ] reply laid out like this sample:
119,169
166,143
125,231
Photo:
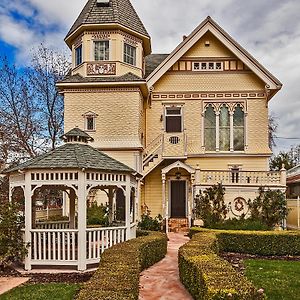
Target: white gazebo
76,169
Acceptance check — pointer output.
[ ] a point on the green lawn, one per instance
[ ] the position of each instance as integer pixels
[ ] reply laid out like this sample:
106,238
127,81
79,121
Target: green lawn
49,291
279,279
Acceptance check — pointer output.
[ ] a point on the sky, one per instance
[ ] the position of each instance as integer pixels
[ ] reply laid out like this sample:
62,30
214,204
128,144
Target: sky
268,29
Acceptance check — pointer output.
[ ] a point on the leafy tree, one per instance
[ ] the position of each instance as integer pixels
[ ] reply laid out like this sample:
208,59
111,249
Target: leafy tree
97,215
269,207
283,158
210,205
12,247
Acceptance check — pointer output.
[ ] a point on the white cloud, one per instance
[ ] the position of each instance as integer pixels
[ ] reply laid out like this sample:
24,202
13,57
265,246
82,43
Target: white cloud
268,29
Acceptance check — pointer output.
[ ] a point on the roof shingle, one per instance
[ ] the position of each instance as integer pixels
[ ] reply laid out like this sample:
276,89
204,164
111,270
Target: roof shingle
73,156
119,11
152,61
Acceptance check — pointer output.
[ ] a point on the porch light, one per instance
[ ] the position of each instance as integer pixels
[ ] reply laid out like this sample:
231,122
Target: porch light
178,175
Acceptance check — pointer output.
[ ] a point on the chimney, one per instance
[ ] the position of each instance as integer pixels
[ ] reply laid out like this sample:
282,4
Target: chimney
184,37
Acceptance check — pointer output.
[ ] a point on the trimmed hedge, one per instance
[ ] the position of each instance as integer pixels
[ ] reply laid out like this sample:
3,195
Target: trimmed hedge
265,243
117,277
207,276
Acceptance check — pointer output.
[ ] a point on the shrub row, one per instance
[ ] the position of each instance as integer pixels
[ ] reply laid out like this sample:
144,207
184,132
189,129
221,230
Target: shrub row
207,276
263,243
117,277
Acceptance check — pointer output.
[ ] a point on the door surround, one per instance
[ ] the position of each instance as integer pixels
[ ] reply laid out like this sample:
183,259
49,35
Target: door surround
170,181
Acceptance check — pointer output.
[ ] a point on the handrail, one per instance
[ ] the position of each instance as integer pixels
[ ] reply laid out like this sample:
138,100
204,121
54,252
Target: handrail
154,145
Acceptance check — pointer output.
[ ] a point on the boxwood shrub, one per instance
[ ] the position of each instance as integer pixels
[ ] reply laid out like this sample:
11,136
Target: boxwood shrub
207,276
117,277
265,243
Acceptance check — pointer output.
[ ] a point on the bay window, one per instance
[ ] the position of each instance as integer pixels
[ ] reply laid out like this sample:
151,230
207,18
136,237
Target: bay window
101,50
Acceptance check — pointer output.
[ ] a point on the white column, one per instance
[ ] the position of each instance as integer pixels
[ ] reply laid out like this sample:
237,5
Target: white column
138,200
246,131
231,132
217,131
72,197
127,207
165,202
298,212
28,219
81,221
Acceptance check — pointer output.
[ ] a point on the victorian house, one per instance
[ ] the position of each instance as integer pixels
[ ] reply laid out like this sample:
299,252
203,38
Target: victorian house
184,120
164,128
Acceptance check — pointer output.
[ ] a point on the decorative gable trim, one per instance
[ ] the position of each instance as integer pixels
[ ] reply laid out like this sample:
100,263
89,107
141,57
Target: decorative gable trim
178,164
272,83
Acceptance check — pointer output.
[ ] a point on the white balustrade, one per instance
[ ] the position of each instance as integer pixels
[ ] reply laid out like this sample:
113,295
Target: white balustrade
100,239
240,177
54,247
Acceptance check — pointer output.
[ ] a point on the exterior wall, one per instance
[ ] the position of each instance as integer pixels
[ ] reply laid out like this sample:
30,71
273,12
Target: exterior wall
118,120
117,38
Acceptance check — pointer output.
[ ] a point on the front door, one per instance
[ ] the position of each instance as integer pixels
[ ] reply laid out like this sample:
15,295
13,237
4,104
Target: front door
178,199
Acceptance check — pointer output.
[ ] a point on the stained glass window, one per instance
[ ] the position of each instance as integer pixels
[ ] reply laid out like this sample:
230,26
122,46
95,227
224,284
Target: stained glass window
238,129
224,129
210,129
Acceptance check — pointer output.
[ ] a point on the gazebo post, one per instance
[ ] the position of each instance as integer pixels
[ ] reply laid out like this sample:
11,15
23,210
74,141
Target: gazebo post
127,207
72,198
110,204
28,219
81,221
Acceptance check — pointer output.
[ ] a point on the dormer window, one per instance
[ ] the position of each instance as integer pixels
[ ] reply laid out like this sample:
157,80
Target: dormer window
101,50
129,54
78,55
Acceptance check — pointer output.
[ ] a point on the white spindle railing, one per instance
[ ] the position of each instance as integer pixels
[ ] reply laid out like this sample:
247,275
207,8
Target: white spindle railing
53,225
100,239
241,177
52,246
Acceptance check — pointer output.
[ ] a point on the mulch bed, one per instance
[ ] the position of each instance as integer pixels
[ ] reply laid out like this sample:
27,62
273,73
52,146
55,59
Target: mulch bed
237,259
48,278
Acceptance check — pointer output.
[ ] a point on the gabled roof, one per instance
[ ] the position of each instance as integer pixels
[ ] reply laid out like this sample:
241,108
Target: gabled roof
119,11
210,25
73,156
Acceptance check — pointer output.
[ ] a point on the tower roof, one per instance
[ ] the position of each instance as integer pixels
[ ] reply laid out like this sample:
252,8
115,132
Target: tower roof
117,11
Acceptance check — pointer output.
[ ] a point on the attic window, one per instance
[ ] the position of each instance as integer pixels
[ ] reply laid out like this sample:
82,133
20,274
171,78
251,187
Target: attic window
207,66
103,3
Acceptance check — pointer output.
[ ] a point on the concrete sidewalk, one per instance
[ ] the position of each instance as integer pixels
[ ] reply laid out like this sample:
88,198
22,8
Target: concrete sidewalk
8,283
161,281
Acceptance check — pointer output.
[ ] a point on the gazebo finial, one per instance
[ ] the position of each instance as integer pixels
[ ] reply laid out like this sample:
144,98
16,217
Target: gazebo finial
77,135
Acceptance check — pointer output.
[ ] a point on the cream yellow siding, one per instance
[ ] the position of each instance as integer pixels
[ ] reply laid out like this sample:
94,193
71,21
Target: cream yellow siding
118,116
206,82
215,48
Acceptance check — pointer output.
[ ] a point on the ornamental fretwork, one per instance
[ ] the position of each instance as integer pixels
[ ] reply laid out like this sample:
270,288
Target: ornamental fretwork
101,68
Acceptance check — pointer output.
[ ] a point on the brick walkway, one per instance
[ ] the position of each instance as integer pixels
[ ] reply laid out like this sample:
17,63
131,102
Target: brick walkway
161,281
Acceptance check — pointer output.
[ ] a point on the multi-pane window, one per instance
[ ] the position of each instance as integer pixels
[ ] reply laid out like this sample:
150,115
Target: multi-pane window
173,119
210,129
238,129
129,54
78,55
90,123
224,131
208,66
101,49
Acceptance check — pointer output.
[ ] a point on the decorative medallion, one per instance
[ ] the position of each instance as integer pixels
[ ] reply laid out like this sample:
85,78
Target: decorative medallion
239,206
101,68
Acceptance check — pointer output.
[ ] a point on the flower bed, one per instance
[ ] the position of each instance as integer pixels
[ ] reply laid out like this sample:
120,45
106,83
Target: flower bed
207,276
117,277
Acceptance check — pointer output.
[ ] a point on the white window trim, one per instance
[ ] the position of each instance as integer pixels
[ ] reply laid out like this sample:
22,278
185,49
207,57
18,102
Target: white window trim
90,115
231,114
181,115
93,49
207,66
125,43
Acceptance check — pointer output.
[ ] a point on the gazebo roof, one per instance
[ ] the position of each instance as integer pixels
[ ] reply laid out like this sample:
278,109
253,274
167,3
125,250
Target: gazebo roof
76,132
73,156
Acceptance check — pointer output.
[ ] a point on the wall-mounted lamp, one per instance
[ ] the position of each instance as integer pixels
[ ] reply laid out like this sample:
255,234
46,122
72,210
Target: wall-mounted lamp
178,175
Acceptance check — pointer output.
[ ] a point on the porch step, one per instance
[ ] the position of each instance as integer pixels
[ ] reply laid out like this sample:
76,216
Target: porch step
178,225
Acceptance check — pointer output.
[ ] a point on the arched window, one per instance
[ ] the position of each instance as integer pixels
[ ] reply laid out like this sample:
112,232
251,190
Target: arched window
224,129
210,129
238,129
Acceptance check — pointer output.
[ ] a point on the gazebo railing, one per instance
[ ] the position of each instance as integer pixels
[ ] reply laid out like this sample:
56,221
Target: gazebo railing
54,246
60,246
100,239
53,225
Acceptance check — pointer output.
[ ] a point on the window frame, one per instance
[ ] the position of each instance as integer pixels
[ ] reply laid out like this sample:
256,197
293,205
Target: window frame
207,66
87,116
166,116
126,55
231,110
94,49
76,55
